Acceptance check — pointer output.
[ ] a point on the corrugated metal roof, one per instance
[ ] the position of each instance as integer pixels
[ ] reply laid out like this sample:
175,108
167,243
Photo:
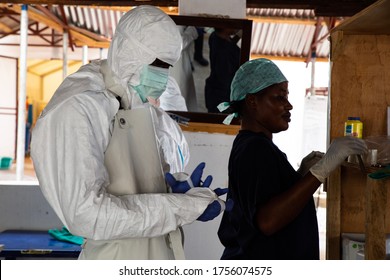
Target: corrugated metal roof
279,33
99,20
282,13
288,33
287,40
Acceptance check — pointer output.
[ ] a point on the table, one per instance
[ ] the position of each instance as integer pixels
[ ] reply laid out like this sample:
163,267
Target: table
35,244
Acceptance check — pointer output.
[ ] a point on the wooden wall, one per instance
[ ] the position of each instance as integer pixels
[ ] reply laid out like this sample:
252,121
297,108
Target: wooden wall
359,87
360,82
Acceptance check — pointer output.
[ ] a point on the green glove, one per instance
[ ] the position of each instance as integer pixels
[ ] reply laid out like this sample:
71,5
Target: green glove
380,174
65,235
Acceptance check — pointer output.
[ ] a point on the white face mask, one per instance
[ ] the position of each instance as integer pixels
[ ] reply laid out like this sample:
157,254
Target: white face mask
153,82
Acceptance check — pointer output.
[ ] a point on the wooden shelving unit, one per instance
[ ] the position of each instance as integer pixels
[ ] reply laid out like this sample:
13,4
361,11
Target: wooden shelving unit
357,204
360,86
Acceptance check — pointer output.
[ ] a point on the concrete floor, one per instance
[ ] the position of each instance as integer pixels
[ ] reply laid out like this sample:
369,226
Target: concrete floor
28,173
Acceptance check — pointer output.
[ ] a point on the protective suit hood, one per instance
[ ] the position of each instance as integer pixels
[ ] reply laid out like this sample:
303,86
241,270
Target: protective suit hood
142,35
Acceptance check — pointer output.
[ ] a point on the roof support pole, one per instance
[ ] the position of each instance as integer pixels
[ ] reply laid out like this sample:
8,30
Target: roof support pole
85,54
21,138
313,72
65,39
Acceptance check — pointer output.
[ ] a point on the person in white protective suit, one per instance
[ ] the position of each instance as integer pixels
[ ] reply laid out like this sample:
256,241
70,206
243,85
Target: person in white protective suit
100,149
182,69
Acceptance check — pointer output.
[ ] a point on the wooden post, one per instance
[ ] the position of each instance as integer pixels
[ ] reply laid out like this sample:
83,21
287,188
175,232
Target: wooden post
376,205
333,215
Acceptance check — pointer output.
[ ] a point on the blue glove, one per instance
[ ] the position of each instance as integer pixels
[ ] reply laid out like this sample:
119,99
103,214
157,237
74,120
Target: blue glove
215,208
184,184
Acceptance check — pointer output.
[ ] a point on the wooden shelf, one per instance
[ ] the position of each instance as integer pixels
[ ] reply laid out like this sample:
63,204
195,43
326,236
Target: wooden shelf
357,204
205,122
359,83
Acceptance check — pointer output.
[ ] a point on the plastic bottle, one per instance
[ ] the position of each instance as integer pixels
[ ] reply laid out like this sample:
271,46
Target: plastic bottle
353,127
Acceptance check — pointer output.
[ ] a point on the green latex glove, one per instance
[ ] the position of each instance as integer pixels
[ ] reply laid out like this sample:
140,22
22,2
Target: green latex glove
380,174
65,235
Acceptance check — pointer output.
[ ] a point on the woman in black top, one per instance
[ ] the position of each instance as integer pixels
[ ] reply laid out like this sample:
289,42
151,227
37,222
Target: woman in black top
274,216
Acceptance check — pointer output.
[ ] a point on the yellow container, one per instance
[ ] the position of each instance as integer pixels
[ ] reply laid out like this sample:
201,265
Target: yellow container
353,127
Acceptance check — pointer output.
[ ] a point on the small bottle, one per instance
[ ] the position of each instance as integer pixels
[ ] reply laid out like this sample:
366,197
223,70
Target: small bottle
353,127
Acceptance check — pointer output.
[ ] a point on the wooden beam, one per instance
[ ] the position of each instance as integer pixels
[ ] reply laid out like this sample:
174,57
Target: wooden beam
288,58
211,128
5,12
82,40
5,28
48,13
80,36
94,36
163,3
282,20
38,17
62,12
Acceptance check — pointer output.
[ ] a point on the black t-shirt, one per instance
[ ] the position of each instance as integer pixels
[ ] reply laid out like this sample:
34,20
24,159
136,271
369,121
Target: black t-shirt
258,171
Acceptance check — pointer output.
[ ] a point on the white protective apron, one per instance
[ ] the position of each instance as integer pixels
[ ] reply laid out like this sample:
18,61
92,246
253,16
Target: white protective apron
133,169
133,162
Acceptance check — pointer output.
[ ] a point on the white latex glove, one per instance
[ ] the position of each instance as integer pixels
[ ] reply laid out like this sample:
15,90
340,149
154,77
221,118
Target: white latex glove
308,161
339,150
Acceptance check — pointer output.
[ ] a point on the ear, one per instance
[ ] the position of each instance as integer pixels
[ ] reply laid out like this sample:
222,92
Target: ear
250,101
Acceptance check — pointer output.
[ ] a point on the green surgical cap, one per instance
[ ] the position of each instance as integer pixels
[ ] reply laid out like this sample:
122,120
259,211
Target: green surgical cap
253,76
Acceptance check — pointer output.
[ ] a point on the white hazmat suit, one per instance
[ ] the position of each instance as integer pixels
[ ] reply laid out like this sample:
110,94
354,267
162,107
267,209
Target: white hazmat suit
182,70
171,99
72,135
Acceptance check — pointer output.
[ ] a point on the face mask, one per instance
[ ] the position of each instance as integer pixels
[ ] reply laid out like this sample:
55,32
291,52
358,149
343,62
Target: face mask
153,82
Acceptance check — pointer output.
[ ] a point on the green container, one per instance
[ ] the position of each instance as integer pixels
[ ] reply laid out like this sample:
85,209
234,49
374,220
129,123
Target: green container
5,163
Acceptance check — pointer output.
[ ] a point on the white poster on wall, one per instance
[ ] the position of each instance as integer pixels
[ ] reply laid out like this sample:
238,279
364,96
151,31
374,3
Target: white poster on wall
8,110
229,8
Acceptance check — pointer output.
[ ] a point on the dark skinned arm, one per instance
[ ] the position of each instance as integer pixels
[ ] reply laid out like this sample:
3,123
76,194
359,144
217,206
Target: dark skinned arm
284,208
